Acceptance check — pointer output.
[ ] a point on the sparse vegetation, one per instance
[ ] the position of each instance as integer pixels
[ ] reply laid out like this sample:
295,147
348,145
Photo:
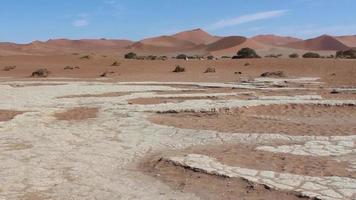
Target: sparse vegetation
273,56
9,68
294,55
311,55
40,73
247,64
131,55
348,54
210,57
182,56
225,57
273,74
179,69
68,68
105,74
246,53
210,70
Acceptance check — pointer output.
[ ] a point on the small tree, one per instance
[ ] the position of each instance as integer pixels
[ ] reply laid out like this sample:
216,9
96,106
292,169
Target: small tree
246,53
131,55
350,54
311,55
294,55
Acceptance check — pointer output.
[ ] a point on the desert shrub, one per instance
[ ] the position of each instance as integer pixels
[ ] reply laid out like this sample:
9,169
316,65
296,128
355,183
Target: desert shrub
246,53
68,67
273,74
85,57
107,73
349,54
179,69
151,57
182,56
294,55
9,68
225,57
273,56
40,73
247,64
311,55
131,55
210,57
330,56
162,58
210,70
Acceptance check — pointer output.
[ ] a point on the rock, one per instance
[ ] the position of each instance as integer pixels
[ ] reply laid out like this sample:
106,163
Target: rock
40,73
179,69
273,74
210,70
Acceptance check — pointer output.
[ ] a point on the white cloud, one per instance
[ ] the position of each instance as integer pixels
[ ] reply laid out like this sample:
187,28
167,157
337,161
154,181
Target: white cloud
246,18
80,23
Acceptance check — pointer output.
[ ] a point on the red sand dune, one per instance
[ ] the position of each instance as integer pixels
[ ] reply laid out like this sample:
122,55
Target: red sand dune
66,46
274,39
321,43
226,43
230,45
163,44
196,36
191,42
348,40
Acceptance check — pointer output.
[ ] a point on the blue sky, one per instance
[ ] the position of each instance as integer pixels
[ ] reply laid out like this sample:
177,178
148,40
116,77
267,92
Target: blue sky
27,20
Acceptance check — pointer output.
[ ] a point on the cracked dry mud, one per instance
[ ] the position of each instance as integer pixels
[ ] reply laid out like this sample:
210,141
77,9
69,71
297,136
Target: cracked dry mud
100,156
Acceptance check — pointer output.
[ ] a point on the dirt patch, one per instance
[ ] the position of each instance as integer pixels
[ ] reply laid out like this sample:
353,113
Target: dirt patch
7,115
77,114
210,186
109,94
293,119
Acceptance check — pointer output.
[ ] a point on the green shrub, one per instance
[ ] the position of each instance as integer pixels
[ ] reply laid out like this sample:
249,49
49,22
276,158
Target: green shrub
294,55
182,56
349,54
246,53
311,55
210,57
131,55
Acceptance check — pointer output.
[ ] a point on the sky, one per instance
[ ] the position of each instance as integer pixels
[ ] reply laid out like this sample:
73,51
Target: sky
23,21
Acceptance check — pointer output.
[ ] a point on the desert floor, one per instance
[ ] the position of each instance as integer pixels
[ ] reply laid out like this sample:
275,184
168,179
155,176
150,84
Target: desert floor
139,131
